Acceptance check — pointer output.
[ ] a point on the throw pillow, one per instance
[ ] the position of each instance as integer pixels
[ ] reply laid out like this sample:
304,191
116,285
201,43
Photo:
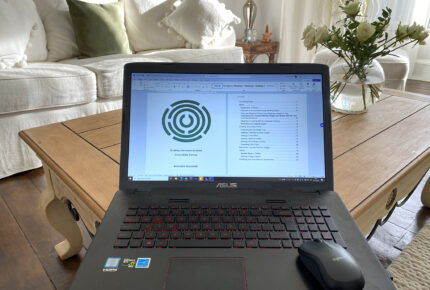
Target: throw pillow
99,28
144,28
37,46
15,28
200,22
59,29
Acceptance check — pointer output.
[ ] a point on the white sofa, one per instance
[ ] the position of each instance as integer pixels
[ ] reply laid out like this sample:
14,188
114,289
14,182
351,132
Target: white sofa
45,92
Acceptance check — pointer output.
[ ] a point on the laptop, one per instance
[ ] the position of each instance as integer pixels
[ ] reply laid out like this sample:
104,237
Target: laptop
226,169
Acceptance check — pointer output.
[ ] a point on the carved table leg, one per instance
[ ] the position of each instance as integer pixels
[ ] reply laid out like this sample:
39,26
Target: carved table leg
58,215
249,58
271,58
425,195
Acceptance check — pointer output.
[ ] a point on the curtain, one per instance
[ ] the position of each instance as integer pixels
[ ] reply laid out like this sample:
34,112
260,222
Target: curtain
295,16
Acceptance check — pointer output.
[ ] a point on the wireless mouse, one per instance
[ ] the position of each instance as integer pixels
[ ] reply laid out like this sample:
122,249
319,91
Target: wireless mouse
331,265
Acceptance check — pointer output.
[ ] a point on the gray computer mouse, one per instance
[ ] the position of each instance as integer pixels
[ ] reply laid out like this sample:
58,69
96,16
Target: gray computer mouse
331,265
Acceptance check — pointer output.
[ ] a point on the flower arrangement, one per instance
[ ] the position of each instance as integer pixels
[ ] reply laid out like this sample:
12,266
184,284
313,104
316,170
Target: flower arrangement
358,43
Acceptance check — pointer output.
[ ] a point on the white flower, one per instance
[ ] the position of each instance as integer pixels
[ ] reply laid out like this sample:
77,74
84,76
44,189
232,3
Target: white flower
309,38
307,29
402,32
322,35
422,36
352,8
365,31
415,30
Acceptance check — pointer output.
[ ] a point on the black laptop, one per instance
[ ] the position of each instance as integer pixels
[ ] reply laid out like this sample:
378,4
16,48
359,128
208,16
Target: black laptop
226,169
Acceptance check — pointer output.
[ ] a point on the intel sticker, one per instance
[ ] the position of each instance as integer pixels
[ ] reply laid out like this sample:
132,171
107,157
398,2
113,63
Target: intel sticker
111,264
143,263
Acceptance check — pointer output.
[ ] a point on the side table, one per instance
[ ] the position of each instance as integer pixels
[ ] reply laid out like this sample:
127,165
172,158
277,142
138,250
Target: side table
252,49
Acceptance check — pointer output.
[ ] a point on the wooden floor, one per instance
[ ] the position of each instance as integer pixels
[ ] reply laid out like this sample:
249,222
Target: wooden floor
420,87
29,261
27,257
391,238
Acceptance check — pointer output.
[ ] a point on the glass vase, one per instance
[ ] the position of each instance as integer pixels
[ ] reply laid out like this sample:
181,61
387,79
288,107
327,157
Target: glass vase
351,95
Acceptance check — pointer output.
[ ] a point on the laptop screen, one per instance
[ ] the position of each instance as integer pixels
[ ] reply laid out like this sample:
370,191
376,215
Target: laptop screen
208,127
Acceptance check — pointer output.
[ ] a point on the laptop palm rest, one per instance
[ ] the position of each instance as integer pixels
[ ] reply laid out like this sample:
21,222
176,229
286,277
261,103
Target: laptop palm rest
206,273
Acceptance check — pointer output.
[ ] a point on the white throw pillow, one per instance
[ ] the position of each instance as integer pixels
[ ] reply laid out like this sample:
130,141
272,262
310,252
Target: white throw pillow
143,5
144,29
200,22
227,38
37,45
59,30
16,25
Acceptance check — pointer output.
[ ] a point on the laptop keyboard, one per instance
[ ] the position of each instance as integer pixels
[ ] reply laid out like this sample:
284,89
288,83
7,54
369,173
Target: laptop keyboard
191,226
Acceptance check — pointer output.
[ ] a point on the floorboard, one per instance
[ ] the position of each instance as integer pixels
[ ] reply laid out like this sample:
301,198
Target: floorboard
416,86
20,268
37,177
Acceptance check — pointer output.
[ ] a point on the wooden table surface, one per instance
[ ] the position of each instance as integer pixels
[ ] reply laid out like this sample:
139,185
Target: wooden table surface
379,157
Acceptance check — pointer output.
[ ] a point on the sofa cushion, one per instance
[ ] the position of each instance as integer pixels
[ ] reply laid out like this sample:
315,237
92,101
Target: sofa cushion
45,85
109,70
222,55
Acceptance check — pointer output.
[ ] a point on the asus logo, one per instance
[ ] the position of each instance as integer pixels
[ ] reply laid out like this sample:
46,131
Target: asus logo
226,185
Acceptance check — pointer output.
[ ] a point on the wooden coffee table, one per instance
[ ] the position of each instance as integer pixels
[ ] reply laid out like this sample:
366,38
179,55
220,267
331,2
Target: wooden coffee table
379,158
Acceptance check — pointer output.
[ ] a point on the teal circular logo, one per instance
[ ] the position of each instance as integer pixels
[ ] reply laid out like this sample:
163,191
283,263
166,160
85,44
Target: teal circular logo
186,121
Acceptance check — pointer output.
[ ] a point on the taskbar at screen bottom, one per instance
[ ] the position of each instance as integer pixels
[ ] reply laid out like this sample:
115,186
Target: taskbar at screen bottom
218,179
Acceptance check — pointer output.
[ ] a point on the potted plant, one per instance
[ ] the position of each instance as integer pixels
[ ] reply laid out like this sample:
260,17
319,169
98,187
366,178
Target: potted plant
356,77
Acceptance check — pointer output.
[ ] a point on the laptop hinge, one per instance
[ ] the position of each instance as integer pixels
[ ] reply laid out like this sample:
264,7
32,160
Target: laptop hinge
179,200
276,201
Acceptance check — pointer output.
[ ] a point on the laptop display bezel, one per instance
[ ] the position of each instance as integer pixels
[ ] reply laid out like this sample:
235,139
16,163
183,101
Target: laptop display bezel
228,182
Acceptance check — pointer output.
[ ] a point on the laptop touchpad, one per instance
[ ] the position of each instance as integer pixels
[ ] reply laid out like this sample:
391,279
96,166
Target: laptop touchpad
206,273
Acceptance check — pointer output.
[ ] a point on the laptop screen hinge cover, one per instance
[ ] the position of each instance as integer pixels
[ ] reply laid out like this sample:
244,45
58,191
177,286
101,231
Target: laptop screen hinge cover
276,201
179,200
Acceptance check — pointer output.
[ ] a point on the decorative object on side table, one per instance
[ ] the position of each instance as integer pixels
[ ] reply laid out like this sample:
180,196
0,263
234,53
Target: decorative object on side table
356,76
252,49
266,35
249,14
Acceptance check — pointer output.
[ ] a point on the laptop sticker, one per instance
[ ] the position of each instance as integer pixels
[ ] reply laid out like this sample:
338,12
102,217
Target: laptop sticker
128,262
111,264
143,263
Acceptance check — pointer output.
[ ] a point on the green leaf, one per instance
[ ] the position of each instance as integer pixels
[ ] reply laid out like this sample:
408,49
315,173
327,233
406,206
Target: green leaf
384,13
353,25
